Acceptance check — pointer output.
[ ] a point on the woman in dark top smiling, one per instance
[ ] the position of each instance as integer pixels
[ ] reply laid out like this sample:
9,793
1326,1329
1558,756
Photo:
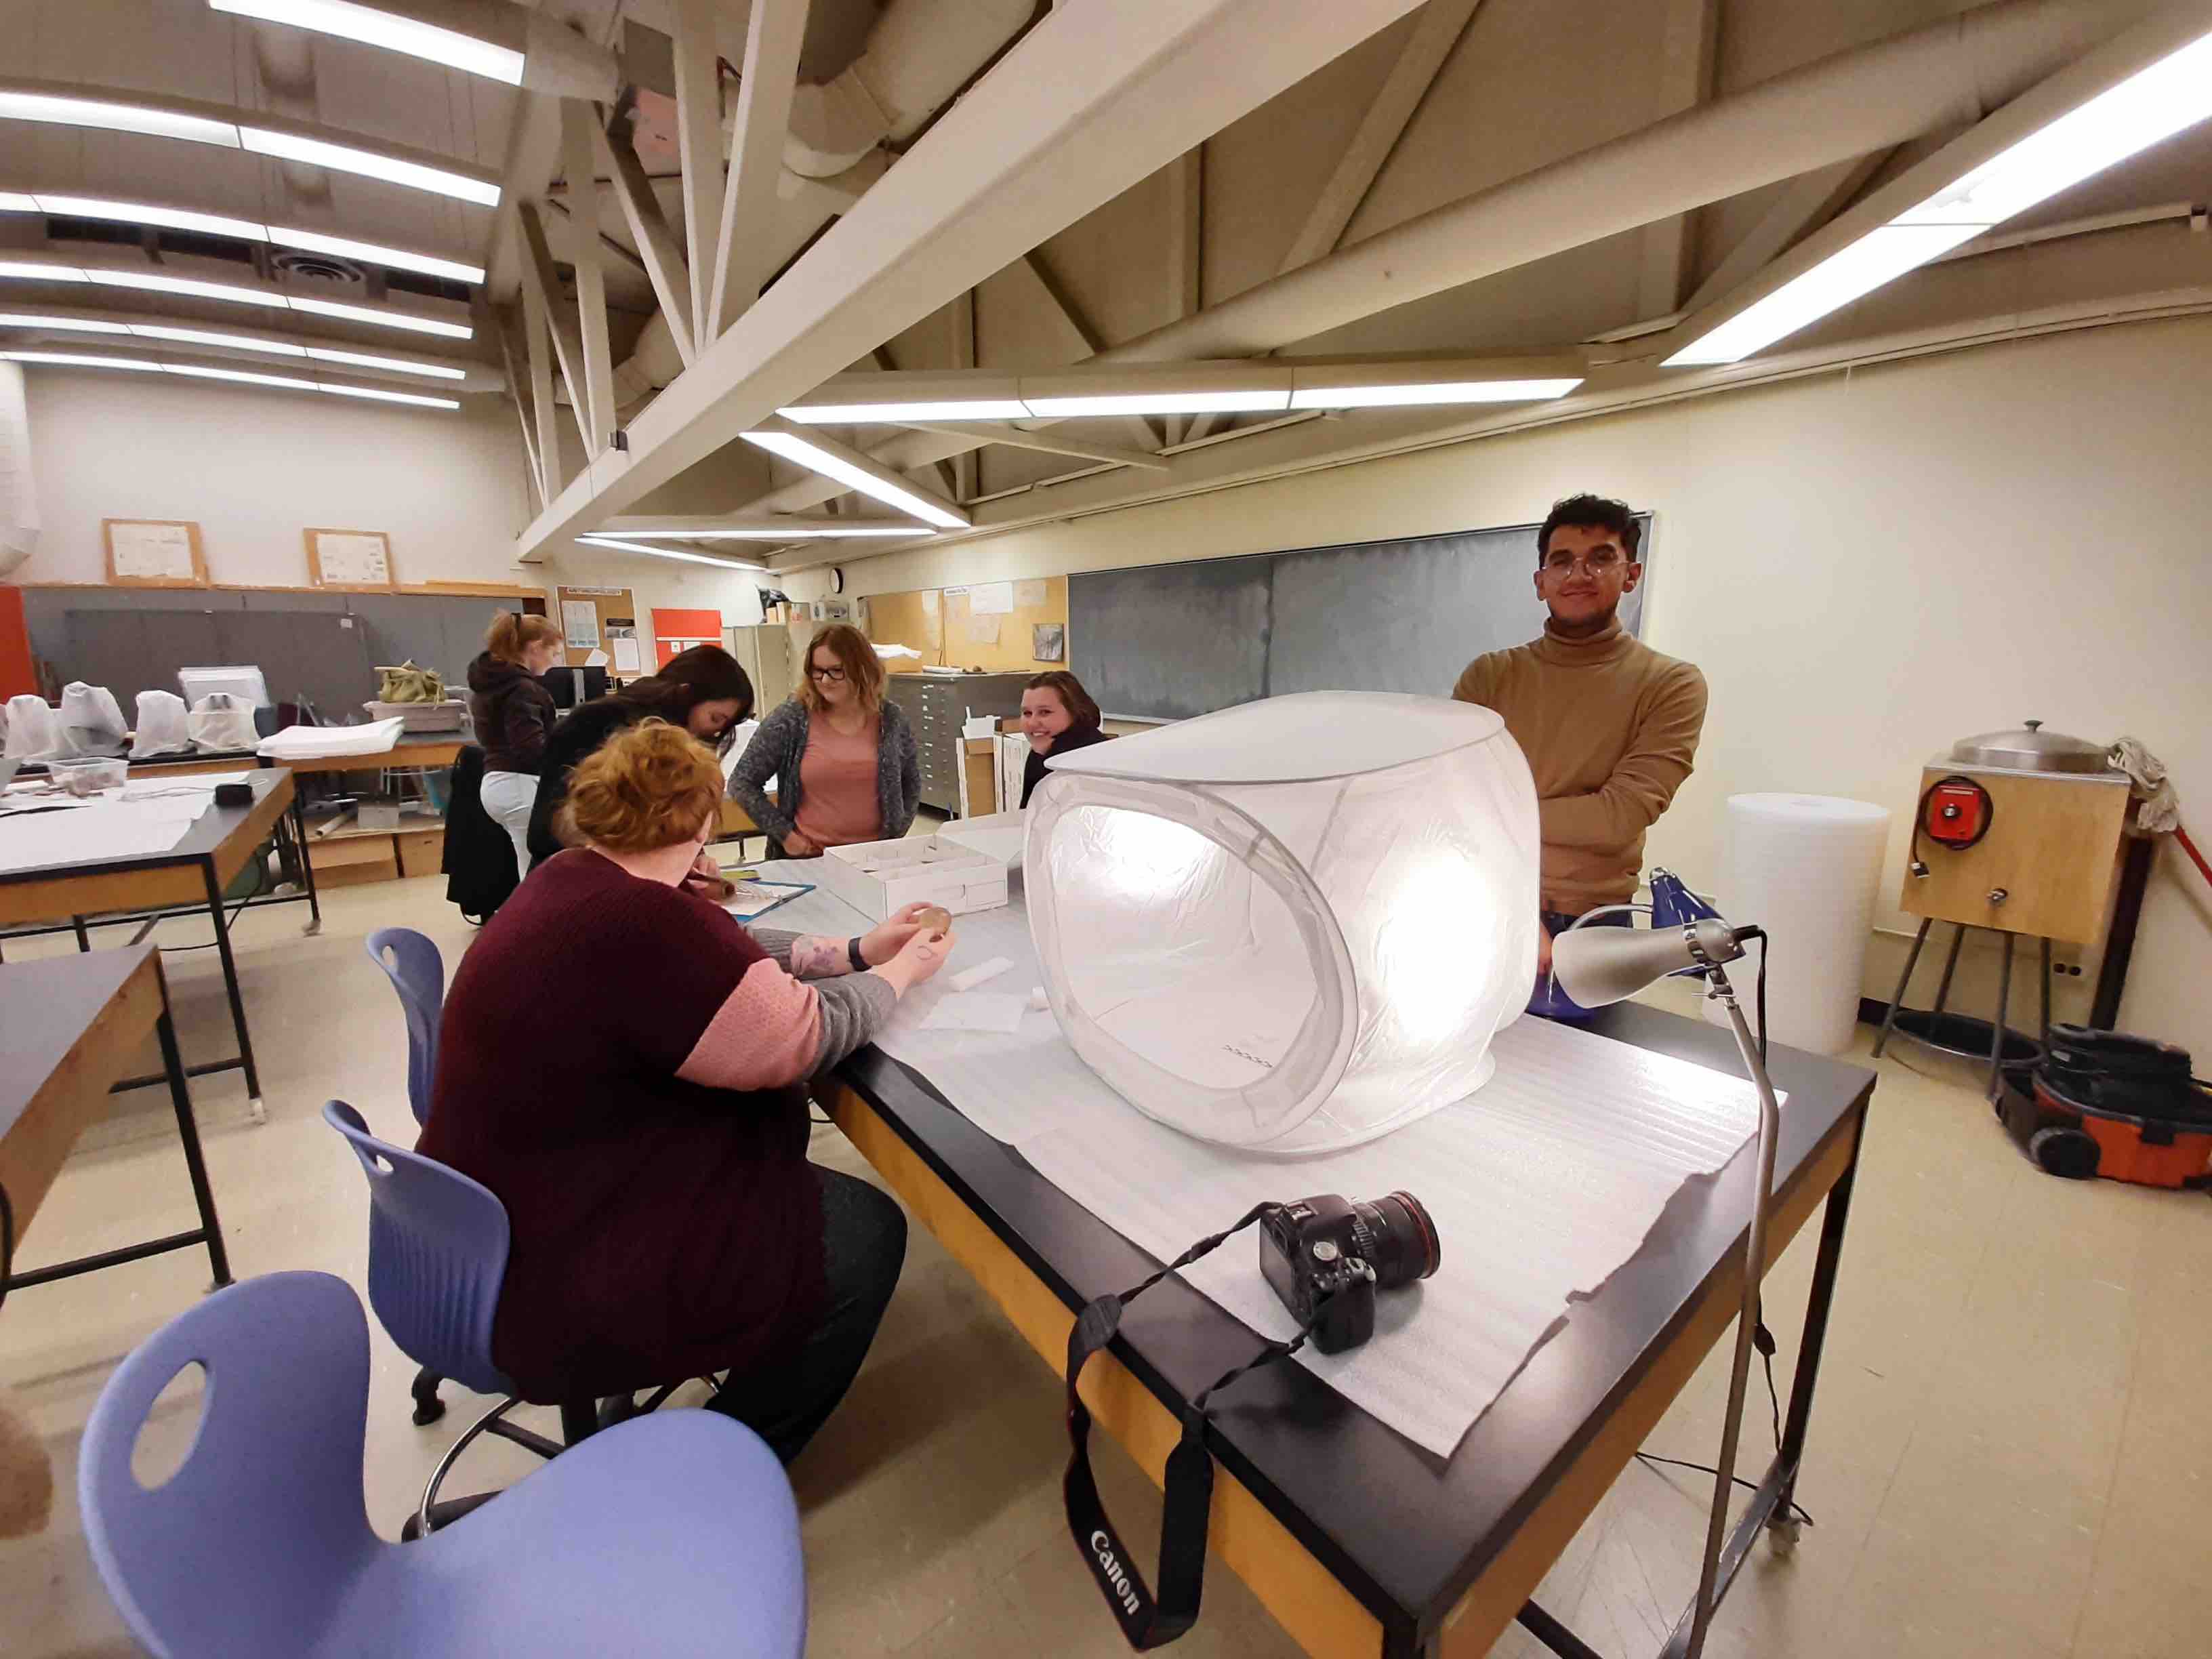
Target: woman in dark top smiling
1057,716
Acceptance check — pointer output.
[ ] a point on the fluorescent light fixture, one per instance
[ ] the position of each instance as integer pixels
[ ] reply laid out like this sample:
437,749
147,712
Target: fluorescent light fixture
116,117
383,28
212,224
343,158
1882,256
397,259
973,409
665,553
794,447
155,284
82,325
205,337
81,360
2151,104
772,535
384,319
1442,391
383,396
249,378
12,202
397,365
1222,402
40,272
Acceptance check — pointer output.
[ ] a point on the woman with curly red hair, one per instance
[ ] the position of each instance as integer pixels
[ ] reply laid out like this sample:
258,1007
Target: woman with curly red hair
625,1067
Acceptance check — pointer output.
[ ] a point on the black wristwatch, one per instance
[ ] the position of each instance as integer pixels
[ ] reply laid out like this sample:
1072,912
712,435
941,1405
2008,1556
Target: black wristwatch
853,950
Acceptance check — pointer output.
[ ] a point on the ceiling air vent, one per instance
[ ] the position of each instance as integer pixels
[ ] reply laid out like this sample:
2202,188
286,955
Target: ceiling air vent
323,269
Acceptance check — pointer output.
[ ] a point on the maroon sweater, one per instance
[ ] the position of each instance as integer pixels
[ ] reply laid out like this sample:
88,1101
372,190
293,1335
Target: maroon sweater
621,1063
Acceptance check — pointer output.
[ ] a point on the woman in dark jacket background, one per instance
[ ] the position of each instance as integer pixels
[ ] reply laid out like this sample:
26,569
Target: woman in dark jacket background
1058,716
513,715
702,690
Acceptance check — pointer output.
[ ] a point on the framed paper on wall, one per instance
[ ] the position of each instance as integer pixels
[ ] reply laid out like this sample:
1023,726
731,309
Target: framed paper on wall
352,559
154,553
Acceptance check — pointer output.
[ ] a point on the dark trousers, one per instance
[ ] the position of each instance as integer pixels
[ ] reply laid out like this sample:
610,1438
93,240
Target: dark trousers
864,1244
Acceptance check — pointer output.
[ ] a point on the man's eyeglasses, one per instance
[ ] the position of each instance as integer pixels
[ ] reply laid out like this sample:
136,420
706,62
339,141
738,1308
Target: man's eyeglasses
1599,561
830,676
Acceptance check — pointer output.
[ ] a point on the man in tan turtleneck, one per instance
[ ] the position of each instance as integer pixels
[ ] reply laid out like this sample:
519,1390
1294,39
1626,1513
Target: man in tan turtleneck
1610,727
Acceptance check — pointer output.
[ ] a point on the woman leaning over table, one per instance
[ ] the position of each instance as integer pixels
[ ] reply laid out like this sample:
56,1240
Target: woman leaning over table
624,1066
844,758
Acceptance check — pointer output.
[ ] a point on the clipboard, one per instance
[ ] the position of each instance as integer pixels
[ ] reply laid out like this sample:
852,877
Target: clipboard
751,900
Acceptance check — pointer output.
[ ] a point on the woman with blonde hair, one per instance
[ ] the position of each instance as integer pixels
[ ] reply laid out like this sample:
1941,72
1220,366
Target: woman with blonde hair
844,758
514,714
624,1066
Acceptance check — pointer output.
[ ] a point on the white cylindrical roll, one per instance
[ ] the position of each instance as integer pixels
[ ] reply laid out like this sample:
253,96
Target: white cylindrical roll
1805,868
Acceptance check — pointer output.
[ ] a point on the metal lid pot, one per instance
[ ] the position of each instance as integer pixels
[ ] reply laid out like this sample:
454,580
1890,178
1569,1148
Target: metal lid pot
2029,748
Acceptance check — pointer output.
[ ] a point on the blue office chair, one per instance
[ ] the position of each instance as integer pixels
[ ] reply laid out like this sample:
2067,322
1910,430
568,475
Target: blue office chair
437,1252
418,974
672,1534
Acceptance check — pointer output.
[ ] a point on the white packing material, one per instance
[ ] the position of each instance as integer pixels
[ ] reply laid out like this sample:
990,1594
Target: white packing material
163,726
147,815
1295,925
221,722
982,974
35,734
1806,868
92,722
331,742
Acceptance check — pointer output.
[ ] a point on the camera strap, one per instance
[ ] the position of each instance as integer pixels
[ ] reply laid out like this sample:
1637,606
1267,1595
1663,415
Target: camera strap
1146,1620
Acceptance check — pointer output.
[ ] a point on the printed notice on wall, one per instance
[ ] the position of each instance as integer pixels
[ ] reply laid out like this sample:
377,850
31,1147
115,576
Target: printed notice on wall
346,558
991,599
621,640
580,624
152,551
1028,596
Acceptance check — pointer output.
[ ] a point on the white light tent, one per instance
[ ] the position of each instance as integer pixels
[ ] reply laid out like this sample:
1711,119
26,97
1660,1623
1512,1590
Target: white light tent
1292,926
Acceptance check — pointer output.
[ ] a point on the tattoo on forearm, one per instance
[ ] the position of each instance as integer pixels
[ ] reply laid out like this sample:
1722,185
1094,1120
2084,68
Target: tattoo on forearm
814,957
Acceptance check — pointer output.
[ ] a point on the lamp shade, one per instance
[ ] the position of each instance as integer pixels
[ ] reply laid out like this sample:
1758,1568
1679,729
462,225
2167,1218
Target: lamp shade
1598,966
1292,926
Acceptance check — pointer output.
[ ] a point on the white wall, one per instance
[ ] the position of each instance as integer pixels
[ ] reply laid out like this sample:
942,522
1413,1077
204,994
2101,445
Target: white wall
255,467
1868,566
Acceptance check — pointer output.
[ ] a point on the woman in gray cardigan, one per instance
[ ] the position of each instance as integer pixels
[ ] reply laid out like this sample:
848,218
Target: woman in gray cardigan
843,757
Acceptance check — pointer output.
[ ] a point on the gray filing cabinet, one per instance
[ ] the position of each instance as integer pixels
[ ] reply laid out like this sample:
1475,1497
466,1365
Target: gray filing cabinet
936,705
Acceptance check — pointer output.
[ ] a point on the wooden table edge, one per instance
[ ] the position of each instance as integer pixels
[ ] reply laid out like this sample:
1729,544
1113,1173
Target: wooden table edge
75,1093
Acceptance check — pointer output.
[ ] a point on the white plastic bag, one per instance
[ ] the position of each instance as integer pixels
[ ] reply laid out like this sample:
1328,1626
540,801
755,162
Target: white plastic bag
34,733
92,720
222,721
163,726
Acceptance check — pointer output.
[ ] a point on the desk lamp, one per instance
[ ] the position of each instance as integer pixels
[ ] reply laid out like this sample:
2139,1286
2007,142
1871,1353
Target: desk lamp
1598,965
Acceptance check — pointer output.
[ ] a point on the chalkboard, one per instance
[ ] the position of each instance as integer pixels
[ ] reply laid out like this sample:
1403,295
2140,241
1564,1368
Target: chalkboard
317,647
1168,641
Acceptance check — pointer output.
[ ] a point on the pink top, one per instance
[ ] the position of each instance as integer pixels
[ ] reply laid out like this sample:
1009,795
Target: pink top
838,803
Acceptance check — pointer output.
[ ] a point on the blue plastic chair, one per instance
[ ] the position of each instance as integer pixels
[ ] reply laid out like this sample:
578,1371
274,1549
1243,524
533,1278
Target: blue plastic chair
417,972
668,1535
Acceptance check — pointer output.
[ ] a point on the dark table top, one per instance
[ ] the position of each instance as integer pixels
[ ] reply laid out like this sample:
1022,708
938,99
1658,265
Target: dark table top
45,1006
200,838
1404,1531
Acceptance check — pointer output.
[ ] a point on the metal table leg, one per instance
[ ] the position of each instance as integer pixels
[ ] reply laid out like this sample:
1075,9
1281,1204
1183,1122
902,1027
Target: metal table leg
1897,997
299,815
1835,1217
2044,1035
83,938
1998,1033
1950,967
188,1130
215,914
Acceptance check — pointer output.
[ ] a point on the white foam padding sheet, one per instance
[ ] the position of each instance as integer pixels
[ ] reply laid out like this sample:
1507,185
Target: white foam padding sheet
1541,1183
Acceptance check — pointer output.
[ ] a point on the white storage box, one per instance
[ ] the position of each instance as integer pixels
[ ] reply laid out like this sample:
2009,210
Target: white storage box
450,715
995,835
878,878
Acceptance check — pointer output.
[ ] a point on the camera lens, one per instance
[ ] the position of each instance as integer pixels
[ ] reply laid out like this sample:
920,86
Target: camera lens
1406,1247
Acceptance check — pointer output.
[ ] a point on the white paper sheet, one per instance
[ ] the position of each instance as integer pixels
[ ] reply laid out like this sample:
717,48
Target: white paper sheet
627,660
991,599
1542,1183
977,1011
326,742
580,624
982,974
147,815
1029,595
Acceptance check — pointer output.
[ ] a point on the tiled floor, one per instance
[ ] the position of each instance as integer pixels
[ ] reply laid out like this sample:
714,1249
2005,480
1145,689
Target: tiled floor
2009,1458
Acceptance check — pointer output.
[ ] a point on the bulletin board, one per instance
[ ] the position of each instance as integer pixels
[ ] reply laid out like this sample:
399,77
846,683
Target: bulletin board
947,627
154,553
355,560
590,620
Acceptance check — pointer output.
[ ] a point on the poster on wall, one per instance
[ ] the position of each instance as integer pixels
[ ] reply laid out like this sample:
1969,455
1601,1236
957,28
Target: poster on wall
580,624
622,641
1049,641
154,553
349,558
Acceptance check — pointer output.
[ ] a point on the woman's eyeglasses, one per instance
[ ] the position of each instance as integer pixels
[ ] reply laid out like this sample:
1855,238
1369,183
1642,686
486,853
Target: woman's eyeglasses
831,676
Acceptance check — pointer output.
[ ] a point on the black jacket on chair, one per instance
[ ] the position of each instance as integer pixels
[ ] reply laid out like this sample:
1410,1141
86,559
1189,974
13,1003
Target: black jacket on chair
479,857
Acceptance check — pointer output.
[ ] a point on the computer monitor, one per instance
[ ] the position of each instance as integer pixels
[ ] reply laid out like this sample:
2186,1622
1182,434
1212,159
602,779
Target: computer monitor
570,686
240,680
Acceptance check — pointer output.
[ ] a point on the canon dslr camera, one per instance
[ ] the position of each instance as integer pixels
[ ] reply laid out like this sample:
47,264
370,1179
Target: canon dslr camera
1326,1256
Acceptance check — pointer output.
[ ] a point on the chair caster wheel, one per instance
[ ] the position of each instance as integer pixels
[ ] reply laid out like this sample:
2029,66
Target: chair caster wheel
1782,1533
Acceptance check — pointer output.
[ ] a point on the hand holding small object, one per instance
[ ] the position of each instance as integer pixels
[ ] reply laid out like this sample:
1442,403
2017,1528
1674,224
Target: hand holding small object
705,877
918,959
884,941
